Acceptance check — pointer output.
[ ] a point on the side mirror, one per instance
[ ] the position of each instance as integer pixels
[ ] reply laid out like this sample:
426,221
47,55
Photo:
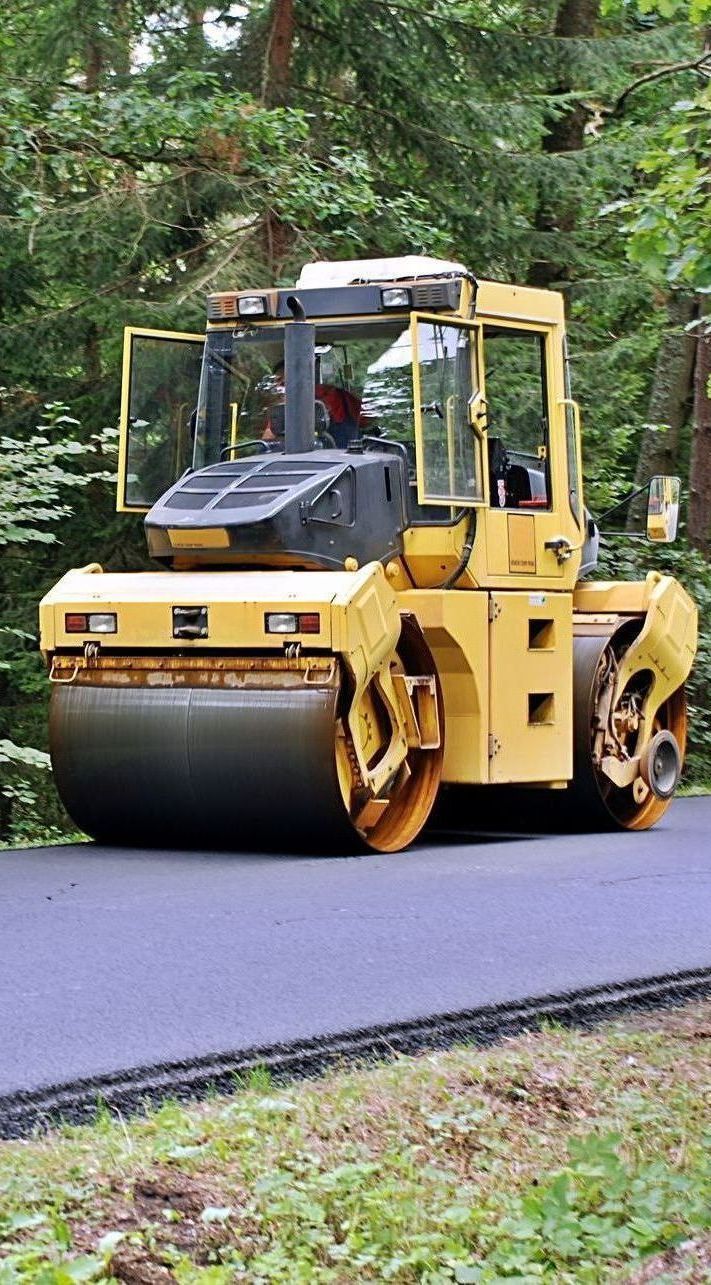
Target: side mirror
663,509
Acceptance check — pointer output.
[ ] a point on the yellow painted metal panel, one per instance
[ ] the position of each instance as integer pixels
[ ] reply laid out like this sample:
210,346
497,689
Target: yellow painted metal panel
522,543
493,565
432,552
199,538
236,603
359,612
666,645
364,612
521,303
455,625
531,687
612,596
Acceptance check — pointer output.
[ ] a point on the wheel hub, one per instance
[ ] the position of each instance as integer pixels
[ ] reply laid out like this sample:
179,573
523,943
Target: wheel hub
660,765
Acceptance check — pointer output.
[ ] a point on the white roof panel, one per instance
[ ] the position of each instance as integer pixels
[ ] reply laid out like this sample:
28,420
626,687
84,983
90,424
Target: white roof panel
348,271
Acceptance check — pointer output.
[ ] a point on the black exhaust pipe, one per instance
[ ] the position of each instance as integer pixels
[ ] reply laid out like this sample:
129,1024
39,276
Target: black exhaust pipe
299,380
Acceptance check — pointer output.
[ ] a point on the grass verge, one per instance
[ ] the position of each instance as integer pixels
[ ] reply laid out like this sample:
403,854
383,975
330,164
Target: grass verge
558,1156
44,839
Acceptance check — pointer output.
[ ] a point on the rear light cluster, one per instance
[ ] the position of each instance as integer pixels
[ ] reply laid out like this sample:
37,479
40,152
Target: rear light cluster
93,622
287,622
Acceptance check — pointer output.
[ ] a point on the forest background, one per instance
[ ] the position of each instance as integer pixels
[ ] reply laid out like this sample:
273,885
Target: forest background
150,154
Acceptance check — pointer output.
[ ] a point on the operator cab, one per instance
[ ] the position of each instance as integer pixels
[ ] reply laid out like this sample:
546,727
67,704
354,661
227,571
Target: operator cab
363,389
411,358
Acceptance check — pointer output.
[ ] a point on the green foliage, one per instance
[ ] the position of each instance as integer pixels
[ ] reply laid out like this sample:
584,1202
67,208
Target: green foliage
693,10
670,234
599,1208
34,481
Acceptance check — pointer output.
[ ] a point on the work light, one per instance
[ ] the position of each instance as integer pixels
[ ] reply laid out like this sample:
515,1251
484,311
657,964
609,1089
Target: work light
252,305
395,297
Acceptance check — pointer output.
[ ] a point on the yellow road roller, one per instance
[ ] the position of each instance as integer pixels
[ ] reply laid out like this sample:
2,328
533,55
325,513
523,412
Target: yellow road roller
364,499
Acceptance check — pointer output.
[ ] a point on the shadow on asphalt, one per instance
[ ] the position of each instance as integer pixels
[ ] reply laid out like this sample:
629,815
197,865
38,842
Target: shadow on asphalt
500,814
474,815
91,853
432,838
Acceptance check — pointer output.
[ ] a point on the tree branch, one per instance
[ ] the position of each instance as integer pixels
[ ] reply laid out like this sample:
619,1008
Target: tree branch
702,64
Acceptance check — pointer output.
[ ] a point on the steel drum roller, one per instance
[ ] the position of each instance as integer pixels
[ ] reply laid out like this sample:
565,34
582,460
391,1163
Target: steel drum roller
592,799
187,765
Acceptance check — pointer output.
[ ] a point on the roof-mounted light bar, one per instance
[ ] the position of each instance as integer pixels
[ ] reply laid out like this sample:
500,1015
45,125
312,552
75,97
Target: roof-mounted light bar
232,305
365,300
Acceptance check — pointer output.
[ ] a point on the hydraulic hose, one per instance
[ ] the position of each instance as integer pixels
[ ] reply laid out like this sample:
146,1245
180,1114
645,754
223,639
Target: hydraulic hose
465,555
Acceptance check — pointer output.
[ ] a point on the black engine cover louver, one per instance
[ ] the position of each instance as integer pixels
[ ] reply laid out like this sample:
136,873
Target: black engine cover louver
314,508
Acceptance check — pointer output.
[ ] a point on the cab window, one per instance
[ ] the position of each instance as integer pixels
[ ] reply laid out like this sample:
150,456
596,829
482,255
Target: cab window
517,414
449,452
157,419
364,388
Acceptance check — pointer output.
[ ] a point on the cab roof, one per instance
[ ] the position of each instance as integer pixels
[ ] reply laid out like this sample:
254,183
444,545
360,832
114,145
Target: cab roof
348,272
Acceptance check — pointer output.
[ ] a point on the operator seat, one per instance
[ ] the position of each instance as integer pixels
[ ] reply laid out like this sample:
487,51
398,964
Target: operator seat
507,480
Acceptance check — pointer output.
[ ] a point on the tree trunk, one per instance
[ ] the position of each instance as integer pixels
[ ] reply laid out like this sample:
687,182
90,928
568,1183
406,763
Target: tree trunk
92,356
700,466
277,59
123,36
671,393
195,14
277,236
94,65
565,133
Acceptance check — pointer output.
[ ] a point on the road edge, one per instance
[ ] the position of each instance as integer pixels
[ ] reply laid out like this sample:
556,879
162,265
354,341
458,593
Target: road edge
133,1090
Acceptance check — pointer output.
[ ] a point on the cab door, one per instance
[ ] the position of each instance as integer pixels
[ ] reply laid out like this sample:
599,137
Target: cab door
450,413
528,506
159,393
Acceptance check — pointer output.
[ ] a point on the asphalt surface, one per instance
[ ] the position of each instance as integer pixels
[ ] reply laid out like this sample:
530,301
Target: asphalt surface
114,958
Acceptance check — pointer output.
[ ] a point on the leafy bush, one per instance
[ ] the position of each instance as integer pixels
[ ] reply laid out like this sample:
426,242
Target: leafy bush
37,477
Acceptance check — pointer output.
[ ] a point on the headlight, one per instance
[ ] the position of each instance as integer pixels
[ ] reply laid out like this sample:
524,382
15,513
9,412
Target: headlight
252,305
395,297
280,622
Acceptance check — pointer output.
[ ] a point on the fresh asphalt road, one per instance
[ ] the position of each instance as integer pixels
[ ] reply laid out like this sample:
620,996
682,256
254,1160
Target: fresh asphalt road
112,958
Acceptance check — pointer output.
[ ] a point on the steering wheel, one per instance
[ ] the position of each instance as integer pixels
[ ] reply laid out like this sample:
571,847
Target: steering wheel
238,446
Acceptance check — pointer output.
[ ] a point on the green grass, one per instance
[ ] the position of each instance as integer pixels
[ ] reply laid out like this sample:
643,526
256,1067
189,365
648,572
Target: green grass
44,839
559,1156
